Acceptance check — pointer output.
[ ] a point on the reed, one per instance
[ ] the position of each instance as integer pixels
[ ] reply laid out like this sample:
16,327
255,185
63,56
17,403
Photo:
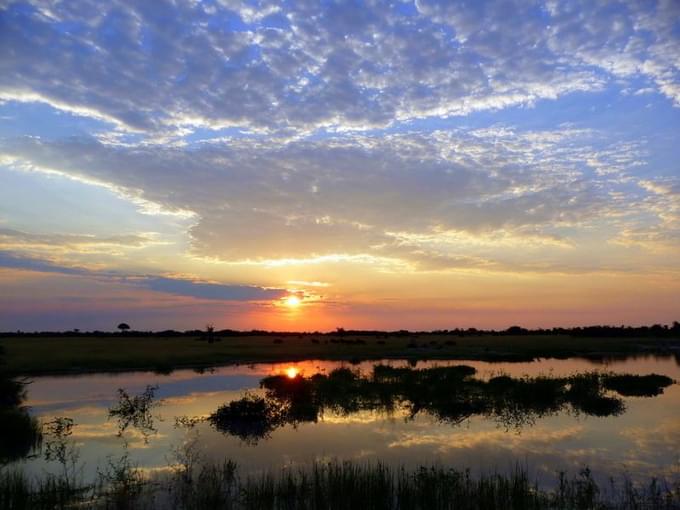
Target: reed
335,486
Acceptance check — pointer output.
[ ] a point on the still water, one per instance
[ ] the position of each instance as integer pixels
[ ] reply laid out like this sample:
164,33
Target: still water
642,441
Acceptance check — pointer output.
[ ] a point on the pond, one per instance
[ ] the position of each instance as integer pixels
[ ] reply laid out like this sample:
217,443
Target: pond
618,433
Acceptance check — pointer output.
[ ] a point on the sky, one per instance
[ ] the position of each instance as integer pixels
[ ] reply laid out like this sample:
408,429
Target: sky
313,165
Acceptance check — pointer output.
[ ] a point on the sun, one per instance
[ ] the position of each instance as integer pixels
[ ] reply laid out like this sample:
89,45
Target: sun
292,301
292,372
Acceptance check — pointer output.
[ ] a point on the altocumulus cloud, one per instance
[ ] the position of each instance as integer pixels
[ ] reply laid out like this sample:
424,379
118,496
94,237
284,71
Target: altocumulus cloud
176,286
358,194
164,68
332,146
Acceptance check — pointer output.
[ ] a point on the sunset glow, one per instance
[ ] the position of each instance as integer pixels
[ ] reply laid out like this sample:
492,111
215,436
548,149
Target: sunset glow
292,372
416,165
292,301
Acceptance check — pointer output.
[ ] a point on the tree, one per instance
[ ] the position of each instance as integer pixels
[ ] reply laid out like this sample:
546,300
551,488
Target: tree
123,327
209,330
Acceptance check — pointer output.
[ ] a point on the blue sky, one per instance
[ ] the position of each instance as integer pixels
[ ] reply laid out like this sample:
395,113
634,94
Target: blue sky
395,164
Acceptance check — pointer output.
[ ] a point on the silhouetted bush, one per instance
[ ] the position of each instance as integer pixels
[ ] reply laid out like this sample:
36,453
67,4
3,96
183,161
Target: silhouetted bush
250,418
451,394
637,385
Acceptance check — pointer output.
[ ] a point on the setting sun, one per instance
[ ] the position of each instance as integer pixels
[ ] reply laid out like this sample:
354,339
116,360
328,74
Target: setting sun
292,372
292,301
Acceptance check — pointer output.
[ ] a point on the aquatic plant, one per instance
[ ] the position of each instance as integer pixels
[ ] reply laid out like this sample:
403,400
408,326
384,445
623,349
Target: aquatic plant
637,385
450,394
250,418
136,411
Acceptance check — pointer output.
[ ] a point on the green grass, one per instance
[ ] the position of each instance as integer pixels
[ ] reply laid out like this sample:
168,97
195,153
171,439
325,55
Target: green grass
41,355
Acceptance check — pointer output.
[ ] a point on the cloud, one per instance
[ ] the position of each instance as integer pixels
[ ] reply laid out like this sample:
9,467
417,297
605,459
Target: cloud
658,225
14,238
211,290
166,69
15,261
167,285
435,200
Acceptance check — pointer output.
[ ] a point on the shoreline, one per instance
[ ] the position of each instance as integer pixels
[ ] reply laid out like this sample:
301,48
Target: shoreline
45,356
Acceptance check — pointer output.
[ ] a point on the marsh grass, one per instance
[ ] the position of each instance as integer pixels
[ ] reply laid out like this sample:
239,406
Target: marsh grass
334,486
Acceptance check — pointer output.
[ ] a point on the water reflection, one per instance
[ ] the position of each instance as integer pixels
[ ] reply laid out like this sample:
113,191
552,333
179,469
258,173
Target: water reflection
642,441
450,394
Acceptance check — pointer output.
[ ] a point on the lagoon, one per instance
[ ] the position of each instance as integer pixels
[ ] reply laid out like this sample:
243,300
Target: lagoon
639,442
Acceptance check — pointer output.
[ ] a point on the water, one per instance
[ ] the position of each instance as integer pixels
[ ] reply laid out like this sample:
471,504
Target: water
641,442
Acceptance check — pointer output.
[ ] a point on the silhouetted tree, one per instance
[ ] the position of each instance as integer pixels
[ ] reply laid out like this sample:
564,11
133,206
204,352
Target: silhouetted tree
123,327
209,333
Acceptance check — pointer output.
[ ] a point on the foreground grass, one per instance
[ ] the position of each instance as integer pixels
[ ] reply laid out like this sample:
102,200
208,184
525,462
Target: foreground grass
329,486
42,355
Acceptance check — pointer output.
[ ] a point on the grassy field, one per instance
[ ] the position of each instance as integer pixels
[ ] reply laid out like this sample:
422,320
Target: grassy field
42,355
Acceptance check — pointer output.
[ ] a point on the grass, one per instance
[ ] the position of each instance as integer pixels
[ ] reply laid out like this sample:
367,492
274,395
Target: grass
45,355
331,486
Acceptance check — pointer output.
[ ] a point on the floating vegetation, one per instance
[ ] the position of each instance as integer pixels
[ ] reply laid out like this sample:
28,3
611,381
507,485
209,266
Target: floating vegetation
451,394
637,385
250,418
